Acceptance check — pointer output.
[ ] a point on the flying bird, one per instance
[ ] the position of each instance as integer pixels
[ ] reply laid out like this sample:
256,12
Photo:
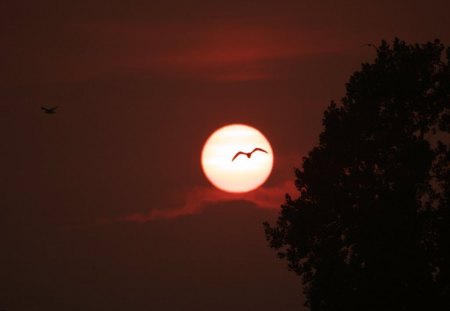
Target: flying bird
248,154
50,110
369,45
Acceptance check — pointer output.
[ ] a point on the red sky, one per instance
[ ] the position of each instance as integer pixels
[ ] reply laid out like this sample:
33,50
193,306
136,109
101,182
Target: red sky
104,205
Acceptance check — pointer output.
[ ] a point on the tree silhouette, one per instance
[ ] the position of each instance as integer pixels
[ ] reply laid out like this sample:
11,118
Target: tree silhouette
370,229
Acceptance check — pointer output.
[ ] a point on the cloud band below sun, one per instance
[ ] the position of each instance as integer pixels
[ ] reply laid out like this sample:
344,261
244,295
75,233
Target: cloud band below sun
199,198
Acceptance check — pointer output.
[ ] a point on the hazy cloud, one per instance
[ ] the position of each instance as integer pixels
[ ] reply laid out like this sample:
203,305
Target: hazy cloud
199,198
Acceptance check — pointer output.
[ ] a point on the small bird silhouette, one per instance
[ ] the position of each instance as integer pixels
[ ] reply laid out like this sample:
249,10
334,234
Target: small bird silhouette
369,45
49,110
248,154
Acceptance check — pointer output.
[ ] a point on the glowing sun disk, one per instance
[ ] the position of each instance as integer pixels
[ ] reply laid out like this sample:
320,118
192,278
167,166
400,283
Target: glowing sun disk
243,174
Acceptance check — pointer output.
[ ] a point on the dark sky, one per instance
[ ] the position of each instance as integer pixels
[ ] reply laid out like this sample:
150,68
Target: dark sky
104,205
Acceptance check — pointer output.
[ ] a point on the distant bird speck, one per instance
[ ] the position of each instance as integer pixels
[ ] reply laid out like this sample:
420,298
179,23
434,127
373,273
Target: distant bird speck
369,45
50,110
248,154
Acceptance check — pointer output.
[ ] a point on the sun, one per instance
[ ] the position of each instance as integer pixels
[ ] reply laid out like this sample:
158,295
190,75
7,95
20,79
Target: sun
244,173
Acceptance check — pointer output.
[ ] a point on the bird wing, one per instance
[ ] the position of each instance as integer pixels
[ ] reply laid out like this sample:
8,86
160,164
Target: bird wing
49,109
237,154
259,149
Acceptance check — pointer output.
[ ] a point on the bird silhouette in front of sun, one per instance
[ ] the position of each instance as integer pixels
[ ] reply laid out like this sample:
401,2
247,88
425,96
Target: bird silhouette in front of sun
248,154
50,110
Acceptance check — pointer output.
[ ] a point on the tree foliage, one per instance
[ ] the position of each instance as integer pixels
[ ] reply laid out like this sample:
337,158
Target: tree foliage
370,229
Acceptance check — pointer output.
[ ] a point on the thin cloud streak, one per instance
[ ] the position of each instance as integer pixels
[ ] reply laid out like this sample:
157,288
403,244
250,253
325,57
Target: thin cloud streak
223,53
200,198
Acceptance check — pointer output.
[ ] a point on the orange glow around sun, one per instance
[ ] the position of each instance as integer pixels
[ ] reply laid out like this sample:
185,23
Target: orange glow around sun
243,174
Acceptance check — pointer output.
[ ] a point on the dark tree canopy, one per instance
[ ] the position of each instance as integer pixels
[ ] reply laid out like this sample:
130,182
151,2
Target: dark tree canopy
370,229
